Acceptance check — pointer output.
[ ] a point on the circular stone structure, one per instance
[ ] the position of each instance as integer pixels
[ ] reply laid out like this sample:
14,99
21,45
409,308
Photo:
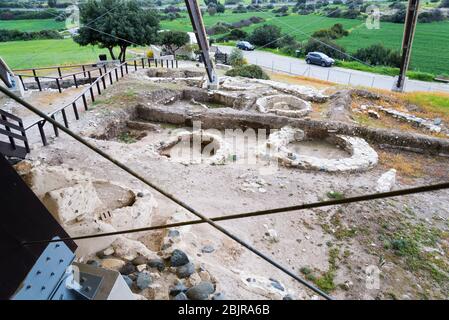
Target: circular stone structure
239,85
362,156
284,105
208,148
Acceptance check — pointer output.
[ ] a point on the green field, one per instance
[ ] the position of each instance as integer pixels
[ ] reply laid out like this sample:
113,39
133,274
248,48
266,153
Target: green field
41,53
32,25
430,49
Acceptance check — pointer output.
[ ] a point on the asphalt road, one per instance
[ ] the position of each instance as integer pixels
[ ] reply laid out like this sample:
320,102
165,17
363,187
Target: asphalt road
338,75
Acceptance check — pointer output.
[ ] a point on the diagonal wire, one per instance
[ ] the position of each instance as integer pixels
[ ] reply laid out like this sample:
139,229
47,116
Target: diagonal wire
164,192
313,205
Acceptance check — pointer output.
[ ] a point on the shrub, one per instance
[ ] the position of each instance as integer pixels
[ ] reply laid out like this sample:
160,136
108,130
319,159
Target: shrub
444,4
377,54
237,34
236,58
266,35
248,71
326,46
16,35
431,16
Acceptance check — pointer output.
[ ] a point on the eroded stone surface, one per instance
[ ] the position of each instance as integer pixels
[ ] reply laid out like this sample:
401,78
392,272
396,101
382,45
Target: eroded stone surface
284,105
362,156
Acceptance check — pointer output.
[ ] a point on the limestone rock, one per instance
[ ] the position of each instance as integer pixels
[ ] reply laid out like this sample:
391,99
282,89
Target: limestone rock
112,264
386,181
70,203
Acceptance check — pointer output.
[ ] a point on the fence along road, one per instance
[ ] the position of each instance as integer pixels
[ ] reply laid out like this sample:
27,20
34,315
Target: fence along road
338,75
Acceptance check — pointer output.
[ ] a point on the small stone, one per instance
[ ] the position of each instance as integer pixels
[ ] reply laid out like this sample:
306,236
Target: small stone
437,121
109,251
178,258
204,275
140,194
180,296
208,249
143,280
157,263
262,190
127,269
373,114
139,260
177,289
128,281
218,296
141,267
173,233
186,270
112,263
194,279
201,291
287,297
275,284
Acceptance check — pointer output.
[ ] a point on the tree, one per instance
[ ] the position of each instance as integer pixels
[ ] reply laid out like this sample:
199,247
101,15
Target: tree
116,23
212,10
431,16
377,54
52,3
325,46
444,4
173,40
266,35
220,8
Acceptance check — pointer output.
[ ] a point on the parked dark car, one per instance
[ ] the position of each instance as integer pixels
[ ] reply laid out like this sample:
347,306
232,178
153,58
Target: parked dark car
245,45
320,59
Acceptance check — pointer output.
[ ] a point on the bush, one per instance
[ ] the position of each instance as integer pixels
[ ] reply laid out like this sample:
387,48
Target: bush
398,17
335,32
325,46
248,71
377,54
27,15
431,16
236,58
266,35
444,4
16,35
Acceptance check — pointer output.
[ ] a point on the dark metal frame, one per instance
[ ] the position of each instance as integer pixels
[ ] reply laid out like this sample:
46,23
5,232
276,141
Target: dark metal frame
15,131
407,41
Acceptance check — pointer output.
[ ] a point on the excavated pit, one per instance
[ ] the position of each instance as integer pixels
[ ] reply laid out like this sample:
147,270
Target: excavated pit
284,147
284,105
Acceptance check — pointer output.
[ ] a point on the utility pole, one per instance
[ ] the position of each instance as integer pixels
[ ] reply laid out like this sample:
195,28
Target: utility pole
407,41
201,37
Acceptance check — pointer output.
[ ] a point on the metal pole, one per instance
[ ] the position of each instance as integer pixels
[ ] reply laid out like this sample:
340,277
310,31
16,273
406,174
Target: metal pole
407,41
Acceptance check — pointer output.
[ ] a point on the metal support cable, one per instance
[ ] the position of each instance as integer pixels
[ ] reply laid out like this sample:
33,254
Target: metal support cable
163,192
253,214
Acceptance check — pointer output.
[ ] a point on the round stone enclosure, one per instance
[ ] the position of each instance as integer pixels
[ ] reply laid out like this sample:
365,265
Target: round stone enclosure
360,154
196,147
239,85
284,105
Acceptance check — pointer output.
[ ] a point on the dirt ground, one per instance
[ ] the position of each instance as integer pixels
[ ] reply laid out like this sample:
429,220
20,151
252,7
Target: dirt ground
405,240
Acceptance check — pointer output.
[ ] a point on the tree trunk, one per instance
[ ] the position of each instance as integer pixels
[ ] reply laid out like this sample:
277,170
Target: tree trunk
111,52
123,53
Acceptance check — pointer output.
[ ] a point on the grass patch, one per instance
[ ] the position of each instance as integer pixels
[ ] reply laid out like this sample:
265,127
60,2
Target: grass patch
42,53
126,137
407,242
336,195
403,165
32,25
